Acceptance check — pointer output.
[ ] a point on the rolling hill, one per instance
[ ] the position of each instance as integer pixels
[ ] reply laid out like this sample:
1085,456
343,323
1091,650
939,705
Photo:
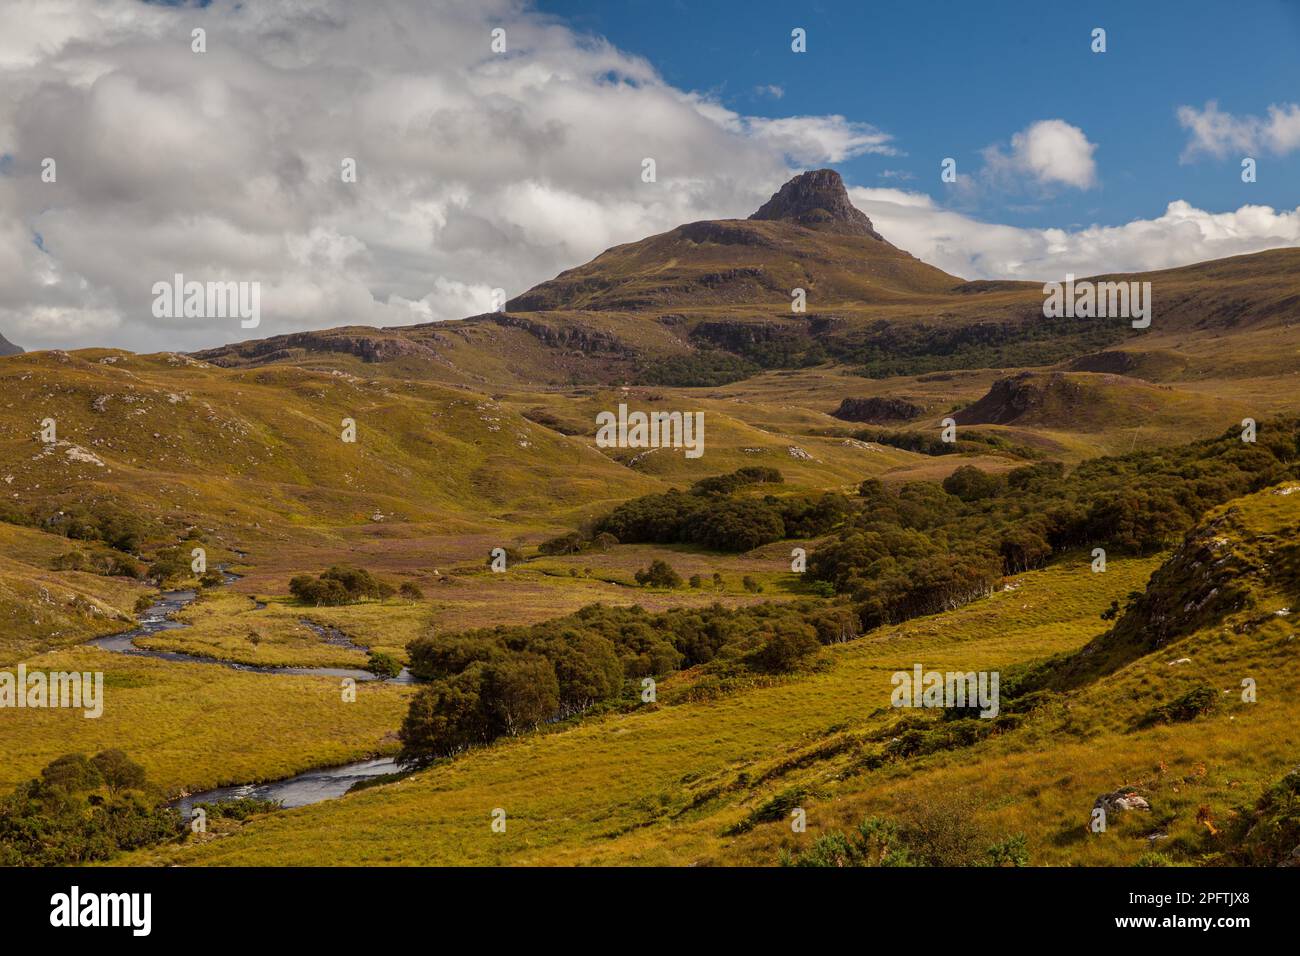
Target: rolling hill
480,434
715,778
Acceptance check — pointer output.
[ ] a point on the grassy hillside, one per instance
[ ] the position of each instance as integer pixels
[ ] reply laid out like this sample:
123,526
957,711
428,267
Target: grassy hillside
822,432
694,782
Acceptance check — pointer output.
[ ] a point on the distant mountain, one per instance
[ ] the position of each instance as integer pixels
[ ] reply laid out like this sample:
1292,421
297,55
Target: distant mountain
8,348
807,236
716,301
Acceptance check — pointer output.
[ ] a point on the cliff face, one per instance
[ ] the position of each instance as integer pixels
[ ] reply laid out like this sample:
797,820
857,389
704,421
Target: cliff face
818,200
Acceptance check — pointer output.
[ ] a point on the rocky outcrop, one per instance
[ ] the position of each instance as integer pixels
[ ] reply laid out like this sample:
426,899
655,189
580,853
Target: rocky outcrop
1010,399
1123,800
877,410
742,337
580,338
365,346
818,200
723,233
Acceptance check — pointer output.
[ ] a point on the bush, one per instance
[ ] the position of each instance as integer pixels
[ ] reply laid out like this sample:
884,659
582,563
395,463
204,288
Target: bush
877,842
931,834
410,591
340,584
971,484
382,664
726,484
1197,701
571,543
82,810
118,771
72,773
169,565
513,556
659,575
784,648
71,561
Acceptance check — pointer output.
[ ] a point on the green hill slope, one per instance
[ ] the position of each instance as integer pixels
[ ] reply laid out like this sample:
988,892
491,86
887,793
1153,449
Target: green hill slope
705,781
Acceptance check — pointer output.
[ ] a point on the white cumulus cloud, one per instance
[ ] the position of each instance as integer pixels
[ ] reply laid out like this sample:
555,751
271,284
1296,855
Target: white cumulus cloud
1215,133
972,249
475,170
1049,152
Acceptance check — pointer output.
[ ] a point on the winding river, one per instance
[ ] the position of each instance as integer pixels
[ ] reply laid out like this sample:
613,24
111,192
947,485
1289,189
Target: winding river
159,618
312,786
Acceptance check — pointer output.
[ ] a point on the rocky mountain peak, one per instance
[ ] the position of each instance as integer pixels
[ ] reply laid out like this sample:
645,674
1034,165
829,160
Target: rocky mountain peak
818,200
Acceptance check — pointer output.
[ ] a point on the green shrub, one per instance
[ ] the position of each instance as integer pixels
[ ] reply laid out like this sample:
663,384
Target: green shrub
338,585
81,810
1197,701
660,574
382,664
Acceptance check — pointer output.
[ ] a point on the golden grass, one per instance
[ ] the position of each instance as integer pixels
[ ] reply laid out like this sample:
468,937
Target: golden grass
620,788
196,726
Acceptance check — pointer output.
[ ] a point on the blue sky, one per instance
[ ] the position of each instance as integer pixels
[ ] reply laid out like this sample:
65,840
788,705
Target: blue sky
950,79
485,169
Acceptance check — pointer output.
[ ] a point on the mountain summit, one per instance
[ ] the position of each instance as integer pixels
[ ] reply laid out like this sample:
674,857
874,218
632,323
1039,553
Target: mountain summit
818,200
807,236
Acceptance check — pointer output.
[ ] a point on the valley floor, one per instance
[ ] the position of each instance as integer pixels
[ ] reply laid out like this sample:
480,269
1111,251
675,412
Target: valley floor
664,785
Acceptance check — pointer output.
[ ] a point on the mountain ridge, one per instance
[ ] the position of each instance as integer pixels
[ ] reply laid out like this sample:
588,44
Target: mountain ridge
715,301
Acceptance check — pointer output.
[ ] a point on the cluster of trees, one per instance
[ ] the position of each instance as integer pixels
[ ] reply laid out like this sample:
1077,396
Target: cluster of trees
887,349
660,574
173,563
95,520
80,810
491,682
728,351
780,344
715,515
112,536
932,443
575,542
702,369
740,478
920,548
99,561
340,584
926,547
